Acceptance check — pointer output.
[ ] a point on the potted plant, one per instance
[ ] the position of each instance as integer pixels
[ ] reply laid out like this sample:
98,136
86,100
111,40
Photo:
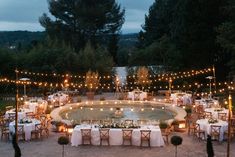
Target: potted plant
176,141
175,124
163,125
188,110
63,140
92,83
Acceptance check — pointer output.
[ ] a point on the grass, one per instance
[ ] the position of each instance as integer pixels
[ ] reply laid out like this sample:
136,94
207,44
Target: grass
4,103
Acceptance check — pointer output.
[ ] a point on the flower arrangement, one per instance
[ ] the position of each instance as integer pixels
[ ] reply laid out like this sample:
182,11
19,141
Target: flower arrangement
119,125
212,121
218,109
25,121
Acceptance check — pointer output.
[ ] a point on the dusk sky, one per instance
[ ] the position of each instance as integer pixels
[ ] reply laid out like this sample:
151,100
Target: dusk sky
24,14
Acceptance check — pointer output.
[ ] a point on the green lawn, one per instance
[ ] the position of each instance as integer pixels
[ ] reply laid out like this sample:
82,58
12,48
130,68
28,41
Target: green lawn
4,103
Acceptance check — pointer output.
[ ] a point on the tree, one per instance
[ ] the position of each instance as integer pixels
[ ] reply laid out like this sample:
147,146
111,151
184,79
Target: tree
80,21
226,36
143,77
184,29
157,22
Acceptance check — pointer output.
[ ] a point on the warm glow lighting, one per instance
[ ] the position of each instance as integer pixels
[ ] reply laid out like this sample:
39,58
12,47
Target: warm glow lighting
182,125
132,109
142,109
111,109
121,109
101,109
91,108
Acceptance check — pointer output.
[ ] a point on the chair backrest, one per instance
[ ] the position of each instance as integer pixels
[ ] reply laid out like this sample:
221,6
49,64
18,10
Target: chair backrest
20,129
145,134
85,121
197,127
215,129
104,133
222,116
9,107
106,121
208,115
142,121
38,127
199,108
95,121
30,114
128,121
127,133
86,133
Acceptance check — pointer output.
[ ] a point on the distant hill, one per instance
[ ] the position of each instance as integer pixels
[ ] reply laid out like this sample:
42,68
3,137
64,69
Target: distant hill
14,38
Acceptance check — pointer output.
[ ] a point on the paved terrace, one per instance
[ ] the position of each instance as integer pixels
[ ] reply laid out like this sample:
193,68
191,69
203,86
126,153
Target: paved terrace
49,147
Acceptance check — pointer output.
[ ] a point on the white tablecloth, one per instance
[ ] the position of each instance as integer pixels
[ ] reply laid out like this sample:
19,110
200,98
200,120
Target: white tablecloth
61,98
204,125
185,98
134,95
207,103
28,127
115,136
215,113
34,104
21,113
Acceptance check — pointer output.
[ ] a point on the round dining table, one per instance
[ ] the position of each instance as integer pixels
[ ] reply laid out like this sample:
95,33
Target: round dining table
28,126
206,126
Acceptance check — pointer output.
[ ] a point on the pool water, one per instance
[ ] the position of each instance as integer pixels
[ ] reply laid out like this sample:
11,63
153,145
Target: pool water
117,114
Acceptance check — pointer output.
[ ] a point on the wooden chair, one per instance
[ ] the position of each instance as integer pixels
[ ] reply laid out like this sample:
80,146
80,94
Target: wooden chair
45,127
127,135
142,121
30,115
106,121
201,115
215,132
128,121
37,132
191,127
165,133
85,121
208,115
5,132
199,109
95,121
145,136
222,116
86,136
198,132
21,133
104,135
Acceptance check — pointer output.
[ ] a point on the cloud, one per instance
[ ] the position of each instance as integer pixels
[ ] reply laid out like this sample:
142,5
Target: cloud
24,14
23,26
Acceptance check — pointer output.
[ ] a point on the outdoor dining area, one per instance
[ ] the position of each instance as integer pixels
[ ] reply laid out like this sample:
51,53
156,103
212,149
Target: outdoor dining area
33,123
95,134
211,120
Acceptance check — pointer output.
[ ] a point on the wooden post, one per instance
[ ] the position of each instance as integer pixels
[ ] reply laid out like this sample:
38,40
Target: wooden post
16,104
229,123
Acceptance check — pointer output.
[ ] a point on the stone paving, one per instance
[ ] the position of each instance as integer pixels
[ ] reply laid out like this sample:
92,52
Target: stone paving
48,147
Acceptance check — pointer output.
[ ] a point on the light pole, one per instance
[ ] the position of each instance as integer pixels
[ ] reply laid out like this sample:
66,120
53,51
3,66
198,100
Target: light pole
210,78
25,82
